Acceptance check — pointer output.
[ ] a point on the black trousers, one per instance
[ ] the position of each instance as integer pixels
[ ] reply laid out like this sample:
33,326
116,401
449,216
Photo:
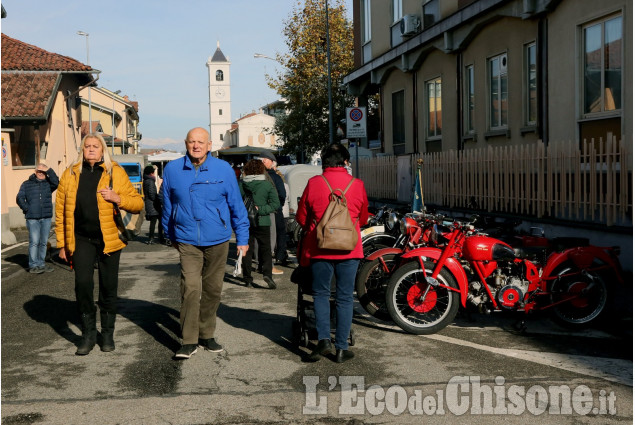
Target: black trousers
260,234
88,250
153,222
281,237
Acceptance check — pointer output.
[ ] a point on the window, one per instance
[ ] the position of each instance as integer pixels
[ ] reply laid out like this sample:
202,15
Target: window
498,92
397,10
23,146
603,66
398,123
531,91
434,125
219,75
469,99
430,13
220,137
220,112
366,31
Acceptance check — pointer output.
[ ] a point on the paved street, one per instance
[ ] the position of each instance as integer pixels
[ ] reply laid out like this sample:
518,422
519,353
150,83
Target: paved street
261,379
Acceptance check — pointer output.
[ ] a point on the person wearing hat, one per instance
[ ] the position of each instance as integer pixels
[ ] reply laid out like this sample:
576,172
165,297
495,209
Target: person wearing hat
279,231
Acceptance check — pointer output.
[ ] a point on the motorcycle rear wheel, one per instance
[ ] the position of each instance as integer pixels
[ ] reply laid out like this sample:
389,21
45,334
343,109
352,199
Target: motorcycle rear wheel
589,303
414,315
370,284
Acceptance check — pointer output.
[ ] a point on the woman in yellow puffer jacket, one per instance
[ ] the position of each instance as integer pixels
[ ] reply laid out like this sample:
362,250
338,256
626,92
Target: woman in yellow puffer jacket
86,231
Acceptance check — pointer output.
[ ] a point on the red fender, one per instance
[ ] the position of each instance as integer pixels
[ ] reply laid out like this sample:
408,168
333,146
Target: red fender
381,252
451,264
582,257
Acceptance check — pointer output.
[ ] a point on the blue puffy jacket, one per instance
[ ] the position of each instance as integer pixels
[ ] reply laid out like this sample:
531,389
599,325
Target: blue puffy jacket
201,207
35,196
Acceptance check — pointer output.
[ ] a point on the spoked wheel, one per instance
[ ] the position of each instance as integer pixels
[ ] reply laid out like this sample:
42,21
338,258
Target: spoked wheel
580,298
371,282
417,306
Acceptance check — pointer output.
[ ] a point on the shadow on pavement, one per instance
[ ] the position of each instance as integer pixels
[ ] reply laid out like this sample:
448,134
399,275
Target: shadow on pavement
57,313
21,260
275,327
153,319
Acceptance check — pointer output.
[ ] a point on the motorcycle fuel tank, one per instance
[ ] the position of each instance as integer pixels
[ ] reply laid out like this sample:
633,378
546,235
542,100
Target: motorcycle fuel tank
484,248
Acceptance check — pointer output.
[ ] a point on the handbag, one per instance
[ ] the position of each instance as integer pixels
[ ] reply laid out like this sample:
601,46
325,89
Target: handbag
125,222
252,211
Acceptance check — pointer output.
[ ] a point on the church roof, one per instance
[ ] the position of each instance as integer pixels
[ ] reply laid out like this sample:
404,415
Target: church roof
218,55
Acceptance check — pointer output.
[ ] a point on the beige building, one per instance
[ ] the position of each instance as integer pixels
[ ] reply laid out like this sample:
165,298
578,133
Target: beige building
253,130
111,109
41,118
461,74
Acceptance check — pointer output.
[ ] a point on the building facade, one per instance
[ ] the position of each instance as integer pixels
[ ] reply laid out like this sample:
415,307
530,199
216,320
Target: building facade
461,74
254,130
41,118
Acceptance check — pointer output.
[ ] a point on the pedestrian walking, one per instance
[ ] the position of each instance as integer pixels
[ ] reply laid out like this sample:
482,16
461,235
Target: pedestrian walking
86,231
324,263
35,200
152,202
279,229
201,206
255,184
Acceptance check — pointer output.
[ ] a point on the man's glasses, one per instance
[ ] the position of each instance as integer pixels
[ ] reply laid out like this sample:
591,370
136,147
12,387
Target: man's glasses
40,172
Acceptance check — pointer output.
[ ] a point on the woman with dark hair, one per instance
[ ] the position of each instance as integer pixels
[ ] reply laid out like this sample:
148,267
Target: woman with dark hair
324,263
263,192
86,231
152,203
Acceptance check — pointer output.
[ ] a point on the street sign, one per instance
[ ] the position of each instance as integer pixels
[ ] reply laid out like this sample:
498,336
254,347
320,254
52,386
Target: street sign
356,122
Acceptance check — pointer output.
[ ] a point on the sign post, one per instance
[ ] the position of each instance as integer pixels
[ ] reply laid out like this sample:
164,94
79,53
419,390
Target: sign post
356,129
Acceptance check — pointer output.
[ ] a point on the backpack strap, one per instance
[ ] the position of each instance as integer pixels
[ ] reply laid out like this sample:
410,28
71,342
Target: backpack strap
331,189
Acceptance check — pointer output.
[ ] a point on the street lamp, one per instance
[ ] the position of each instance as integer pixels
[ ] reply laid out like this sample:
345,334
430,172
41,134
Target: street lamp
114,131
263,56
328,71
90,105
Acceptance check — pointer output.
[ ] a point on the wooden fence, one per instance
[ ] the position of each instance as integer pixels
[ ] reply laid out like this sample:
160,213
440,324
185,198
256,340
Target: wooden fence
562,180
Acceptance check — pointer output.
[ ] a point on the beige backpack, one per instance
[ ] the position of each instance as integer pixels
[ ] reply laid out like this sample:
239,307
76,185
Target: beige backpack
336,230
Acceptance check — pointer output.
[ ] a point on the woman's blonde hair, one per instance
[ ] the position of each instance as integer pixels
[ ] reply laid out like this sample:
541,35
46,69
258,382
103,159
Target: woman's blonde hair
104,148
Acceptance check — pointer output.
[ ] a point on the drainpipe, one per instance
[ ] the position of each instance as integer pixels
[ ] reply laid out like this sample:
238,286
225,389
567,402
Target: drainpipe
415,113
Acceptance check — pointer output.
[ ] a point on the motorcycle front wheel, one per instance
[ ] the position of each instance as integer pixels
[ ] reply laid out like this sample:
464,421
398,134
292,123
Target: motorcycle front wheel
587,297
418,307
370,285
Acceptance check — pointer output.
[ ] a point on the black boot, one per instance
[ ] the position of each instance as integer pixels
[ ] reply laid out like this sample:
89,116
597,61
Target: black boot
322,348
89,334
107,331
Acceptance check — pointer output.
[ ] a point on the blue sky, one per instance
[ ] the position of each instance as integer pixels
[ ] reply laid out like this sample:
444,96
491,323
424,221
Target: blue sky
155,51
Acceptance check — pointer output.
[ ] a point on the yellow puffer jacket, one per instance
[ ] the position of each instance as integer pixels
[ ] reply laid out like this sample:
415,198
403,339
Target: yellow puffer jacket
66,200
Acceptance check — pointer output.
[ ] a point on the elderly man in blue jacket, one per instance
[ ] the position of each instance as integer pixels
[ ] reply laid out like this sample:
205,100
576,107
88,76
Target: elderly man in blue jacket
35,200
201,206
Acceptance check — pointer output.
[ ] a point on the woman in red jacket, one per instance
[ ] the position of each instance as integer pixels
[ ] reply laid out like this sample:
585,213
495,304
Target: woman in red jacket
323,262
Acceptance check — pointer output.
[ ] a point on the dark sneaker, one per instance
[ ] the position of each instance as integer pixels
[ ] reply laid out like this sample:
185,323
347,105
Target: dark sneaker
210,344
36,270
270,283
186,351
47,268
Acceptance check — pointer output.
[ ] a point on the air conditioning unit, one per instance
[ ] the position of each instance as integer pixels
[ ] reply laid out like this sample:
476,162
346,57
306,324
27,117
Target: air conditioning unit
410,24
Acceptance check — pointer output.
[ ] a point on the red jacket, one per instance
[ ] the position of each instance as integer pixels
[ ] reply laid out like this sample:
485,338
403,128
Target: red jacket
312,205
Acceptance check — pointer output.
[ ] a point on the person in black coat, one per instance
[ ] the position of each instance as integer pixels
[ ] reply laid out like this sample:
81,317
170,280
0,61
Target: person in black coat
35,200
281,256
152,203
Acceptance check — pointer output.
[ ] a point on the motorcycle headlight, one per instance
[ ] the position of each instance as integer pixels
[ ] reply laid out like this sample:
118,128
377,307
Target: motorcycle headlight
403,226
392,221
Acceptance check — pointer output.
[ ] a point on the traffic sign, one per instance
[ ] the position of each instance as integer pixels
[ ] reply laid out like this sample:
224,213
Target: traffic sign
356,122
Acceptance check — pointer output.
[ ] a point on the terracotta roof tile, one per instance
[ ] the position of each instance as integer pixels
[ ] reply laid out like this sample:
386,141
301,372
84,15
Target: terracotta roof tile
17,55
27,94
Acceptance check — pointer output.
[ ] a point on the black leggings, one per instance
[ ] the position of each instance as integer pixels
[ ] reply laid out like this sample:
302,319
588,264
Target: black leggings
87,250
260,234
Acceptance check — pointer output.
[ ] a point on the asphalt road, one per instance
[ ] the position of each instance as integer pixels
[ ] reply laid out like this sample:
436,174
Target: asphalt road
479,370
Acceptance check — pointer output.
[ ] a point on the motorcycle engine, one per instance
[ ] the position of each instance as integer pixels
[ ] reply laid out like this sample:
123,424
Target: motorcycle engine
507,287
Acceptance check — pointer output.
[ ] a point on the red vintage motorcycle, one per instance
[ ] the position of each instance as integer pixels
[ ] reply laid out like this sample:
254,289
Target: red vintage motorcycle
423,295
416,230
